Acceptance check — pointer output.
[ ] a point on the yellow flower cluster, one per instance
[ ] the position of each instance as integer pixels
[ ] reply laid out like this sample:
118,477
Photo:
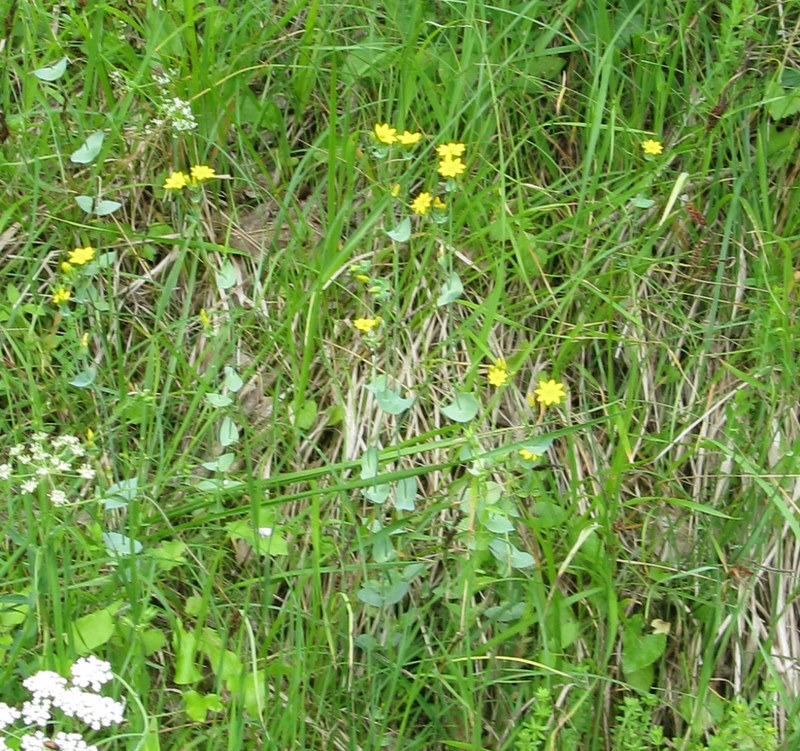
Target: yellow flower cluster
76,257
197,174
385,133
450,164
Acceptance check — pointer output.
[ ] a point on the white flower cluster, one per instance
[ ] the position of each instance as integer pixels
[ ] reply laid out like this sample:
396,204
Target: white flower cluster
175,113
44,460
51,691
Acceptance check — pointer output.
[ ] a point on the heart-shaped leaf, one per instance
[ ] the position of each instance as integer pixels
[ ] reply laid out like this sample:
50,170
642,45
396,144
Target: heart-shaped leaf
52,72
91,147
462,409
451,289
401,232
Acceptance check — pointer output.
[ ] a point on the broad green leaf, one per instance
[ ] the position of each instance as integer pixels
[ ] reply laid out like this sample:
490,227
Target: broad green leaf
184,645
220,464
640,202
228,432
197,706
499,524
85,202
232,379
91,147
381,594
118,545
462,409
84,379
92,631
369,463
377,493
405,494
509,555
52,72
305,415
218,400
392,402
104,208
640,650
226,276
401,232
451,290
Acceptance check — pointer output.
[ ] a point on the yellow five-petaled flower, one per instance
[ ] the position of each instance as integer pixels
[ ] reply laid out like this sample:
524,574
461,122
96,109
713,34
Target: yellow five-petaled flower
409,139
79,256
450,150
202,172
549,392
61,295
366,324
422,203
652,147
176,181
385,133
451,167
498,373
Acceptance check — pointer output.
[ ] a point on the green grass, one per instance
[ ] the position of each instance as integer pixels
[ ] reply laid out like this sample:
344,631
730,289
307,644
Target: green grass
666,494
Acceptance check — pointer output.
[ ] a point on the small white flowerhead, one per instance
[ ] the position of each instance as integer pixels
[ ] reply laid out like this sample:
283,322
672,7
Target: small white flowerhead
265,531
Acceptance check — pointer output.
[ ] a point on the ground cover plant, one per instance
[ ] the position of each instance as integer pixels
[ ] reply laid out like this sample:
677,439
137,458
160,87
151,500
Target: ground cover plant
420,376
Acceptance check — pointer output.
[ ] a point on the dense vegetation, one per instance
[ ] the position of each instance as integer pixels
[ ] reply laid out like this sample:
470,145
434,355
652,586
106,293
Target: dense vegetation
413,377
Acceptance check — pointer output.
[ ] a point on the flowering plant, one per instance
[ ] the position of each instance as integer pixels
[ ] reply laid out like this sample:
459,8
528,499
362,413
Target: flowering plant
75,698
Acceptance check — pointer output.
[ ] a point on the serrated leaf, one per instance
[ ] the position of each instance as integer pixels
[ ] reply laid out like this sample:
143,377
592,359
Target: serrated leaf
84,379
405,494
401,232
451,290
462,409
52,72
232,379
85,202
226,276
218,400
104,208
228,432
89,150
369,463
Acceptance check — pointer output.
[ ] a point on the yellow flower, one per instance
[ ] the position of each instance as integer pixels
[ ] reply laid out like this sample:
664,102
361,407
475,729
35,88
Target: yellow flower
438,203
498,373
66,267
79,256
363,278
409,139
549,392
385,133
652,147
448,150
421,203
176,181
395,190
366,324
451,167
529,456
61,295
201,172
204,319
85,340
